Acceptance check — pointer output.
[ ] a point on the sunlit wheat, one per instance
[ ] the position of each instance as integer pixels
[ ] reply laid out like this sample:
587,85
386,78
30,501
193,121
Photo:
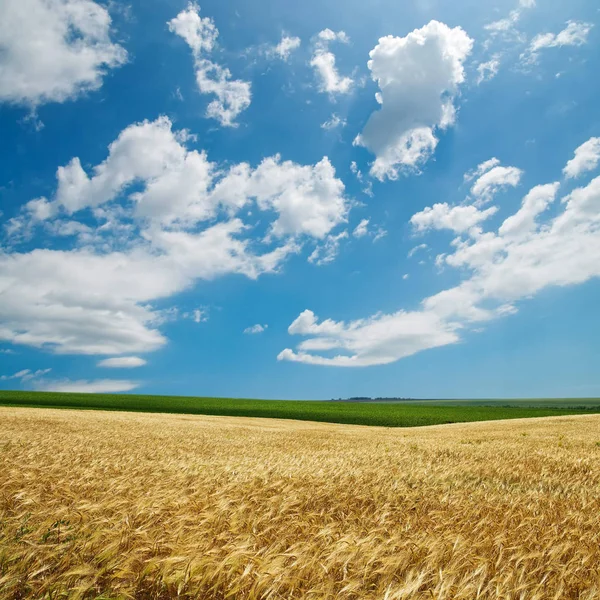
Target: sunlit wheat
119,505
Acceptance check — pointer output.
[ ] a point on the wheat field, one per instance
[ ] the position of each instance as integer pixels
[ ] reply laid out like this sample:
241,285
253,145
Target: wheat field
120,505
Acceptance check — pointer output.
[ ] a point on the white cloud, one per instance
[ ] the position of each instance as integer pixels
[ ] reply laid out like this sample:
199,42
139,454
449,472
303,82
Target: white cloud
327,251
284,48
82,386
481,169
98,295
488,70
147,152
334,122
199,33
26,375
379,234
182,187
354,168
492,178
586,158
232,95
574,34
122,362
323,62
199,316
507,25
308,199
361,229
368,189
504,25
378,340
525,256
535,203
457,218
54,51
414,250
418,77
255,329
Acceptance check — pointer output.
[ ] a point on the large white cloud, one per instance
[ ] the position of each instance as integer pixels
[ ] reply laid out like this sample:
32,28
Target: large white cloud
374,341
83,302
587,158
182,187
99,294
323,62
308,198
418,76
54,50
232,95
525,255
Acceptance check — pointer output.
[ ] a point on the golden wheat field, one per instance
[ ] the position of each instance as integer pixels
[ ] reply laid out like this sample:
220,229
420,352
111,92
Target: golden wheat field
119,505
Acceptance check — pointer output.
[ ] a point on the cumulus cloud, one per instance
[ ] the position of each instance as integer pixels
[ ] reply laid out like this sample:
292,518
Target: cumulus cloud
491,178
308,199
182,187
97,294
86,302
82,386
481,169
54,51
255,329
284,48
324,65
232,95
457,218
418,76
122,362
526,255
534,204
586,158
574,34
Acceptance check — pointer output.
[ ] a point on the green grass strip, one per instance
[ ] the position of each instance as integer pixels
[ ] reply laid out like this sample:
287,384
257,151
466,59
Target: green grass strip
381,414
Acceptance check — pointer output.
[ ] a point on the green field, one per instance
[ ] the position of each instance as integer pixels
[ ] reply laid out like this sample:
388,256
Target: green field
580,403
384,414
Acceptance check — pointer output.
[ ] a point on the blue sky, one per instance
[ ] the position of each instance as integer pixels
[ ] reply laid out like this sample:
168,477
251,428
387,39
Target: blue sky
300,200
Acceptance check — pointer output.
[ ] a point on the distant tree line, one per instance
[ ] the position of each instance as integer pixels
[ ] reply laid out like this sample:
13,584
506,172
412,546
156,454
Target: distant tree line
369,399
